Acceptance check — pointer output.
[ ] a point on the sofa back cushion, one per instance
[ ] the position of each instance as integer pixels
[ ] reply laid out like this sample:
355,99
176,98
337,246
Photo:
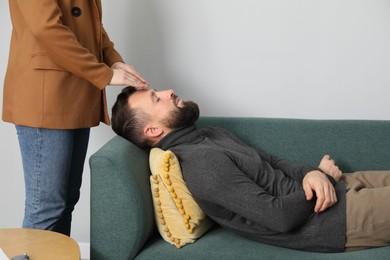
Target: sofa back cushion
354,144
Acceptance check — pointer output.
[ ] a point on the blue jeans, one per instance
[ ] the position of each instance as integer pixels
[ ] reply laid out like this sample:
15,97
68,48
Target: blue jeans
53,162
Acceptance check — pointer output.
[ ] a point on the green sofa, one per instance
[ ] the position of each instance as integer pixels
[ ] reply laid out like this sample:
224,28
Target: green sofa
122,219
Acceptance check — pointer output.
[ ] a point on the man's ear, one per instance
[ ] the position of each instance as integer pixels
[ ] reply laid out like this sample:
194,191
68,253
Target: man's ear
153,131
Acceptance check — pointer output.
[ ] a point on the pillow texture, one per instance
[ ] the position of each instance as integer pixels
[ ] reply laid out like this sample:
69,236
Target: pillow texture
179,218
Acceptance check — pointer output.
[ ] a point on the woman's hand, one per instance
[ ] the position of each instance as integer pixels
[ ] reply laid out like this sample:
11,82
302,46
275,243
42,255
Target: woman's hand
126,75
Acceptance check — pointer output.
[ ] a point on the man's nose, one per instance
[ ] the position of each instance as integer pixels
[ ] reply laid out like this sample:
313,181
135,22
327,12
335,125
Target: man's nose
168,93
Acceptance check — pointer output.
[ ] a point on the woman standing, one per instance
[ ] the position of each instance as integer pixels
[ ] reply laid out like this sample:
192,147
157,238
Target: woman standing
60,61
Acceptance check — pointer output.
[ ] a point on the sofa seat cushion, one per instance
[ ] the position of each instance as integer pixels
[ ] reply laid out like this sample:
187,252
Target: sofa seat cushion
225,245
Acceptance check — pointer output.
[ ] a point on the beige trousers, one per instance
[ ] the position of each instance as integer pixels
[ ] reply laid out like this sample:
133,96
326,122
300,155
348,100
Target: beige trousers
368,209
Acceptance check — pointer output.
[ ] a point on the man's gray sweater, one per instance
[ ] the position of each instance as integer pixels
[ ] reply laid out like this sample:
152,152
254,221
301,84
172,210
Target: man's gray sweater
253,194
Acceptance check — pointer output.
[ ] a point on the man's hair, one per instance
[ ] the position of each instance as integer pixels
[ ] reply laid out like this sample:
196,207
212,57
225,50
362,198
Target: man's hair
129,122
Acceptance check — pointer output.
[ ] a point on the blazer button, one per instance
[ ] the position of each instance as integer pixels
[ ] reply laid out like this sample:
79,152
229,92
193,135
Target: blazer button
76,11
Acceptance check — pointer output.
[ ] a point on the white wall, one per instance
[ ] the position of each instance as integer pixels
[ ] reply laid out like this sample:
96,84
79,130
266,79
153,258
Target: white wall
290,58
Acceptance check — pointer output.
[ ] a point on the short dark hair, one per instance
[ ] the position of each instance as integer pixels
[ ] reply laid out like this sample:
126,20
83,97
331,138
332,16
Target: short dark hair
129,122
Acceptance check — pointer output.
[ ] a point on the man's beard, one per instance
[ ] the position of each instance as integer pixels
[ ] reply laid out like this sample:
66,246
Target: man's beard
183,116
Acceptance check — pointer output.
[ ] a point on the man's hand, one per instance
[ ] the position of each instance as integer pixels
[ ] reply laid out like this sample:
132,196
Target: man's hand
125,75
316,182
329,167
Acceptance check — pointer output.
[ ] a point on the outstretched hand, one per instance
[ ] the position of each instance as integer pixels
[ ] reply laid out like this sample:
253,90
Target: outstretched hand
126,75
317,184
329,167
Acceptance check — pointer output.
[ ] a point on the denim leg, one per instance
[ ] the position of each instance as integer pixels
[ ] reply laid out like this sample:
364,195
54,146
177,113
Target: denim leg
80,145
52,173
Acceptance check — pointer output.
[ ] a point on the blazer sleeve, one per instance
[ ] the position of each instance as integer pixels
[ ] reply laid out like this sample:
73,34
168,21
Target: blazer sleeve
61,44
110,55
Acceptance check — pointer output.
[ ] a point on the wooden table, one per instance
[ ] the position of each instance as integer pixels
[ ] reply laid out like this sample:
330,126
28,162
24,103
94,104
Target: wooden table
38,244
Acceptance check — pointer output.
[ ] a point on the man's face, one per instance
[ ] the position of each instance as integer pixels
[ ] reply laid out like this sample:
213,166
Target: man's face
165,107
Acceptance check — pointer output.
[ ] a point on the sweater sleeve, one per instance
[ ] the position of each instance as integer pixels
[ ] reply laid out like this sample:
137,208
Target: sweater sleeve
226,186
293,170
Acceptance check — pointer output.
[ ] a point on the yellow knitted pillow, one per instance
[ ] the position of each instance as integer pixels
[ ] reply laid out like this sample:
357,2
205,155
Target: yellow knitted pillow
179,218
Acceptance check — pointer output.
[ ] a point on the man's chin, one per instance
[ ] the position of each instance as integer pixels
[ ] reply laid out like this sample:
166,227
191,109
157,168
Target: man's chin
184,116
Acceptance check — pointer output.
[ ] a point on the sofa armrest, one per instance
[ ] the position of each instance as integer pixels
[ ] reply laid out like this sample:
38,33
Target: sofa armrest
121,203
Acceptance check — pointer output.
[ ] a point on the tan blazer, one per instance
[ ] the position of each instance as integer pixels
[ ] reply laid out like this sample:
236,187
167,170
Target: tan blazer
59,64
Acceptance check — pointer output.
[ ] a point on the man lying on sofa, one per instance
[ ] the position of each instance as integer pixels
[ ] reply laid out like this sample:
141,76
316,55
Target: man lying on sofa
253,194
